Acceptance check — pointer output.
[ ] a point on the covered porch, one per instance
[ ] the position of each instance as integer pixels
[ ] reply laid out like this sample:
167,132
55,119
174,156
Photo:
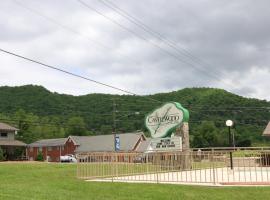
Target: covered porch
13,149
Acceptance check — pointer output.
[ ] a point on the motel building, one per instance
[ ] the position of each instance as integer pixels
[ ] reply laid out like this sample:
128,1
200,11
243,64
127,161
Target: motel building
52,149
9,144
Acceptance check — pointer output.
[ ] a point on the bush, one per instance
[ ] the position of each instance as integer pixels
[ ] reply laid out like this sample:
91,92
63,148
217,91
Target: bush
2,157
244,143
39,157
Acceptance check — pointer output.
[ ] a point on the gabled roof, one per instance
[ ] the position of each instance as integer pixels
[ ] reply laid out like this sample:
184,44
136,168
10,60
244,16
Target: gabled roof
16,143
48,142
6,127
266,131
143,146
105,143
99,143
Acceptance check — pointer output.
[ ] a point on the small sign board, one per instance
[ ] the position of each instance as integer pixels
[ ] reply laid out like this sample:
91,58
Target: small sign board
166,144
117,143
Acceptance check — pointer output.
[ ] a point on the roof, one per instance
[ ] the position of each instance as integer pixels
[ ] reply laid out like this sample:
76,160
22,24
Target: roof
105,143
11,143
48,142
143,146
266,131
7,127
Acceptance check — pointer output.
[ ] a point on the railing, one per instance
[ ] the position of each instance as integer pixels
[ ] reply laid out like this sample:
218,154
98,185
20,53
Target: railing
213,167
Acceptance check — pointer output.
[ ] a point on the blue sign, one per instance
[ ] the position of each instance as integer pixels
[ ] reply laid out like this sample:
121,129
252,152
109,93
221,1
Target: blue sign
117,143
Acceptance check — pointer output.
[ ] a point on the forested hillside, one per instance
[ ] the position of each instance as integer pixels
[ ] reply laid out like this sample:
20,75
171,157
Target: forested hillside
39,113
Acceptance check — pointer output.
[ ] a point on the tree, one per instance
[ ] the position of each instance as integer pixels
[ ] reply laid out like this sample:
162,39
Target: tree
76,126
39,157
41,114
106,129
207,135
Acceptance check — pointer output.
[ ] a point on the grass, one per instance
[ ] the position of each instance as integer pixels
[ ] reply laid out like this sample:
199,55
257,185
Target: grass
109,169
95,169
40,181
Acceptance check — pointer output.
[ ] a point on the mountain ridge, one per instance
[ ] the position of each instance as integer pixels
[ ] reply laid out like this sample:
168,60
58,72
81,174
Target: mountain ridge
96,110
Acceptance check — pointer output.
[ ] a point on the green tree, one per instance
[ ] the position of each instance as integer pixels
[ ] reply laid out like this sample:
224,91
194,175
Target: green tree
76,126
207,135
40,113
106,129
39,157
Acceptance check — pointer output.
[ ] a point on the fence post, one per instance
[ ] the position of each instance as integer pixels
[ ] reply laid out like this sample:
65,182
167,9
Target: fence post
112,167
157,165
116,168
147,165
213,166
78,163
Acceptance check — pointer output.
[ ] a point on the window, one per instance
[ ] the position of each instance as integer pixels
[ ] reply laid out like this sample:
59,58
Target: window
40,149
56,148
50,149
31,149
3,134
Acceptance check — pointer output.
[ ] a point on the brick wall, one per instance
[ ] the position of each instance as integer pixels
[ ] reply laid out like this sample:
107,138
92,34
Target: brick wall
51,153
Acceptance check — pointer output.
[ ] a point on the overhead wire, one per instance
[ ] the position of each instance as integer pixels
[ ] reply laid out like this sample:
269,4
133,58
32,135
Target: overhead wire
136,107
150,31
57,23
152,43
69,29
63,26
64,71
72,74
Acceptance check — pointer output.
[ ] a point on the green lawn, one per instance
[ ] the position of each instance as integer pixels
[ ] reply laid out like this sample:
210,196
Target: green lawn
95,169
58,181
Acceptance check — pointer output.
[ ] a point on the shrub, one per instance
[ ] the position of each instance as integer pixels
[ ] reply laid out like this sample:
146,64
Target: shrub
2,157
39,157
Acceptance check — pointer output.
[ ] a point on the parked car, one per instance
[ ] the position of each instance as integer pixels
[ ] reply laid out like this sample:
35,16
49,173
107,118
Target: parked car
68,158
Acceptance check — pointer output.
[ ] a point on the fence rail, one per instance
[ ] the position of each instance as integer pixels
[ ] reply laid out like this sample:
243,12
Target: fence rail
215,167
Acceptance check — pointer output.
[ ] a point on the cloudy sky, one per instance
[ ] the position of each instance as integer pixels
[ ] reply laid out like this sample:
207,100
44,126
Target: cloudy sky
153,46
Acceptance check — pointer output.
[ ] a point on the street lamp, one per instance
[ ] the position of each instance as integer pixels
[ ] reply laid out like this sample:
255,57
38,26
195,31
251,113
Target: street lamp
229,124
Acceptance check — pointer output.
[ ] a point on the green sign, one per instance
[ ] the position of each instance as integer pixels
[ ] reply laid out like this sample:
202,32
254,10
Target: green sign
163,120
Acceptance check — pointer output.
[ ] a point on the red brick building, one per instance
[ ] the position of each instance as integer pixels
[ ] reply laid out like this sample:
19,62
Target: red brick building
51,149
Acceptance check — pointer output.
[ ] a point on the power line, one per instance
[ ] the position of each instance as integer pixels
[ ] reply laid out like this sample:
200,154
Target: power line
149,30
241,122
61,125
102,45
152,43
67,28
35,123
198,109
64,26
72,74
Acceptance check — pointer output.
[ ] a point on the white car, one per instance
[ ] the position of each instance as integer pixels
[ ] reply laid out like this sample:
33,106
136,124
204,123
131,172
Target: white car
68,158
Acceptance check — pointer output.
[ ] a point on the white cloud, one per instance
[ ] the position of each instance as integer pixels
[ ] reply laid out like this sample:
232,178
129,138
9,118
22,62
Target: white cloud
230,37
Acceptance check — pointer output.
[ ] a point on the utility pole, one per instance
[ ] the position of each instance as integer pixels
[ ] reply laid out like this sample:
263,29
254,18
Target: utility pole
114,124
